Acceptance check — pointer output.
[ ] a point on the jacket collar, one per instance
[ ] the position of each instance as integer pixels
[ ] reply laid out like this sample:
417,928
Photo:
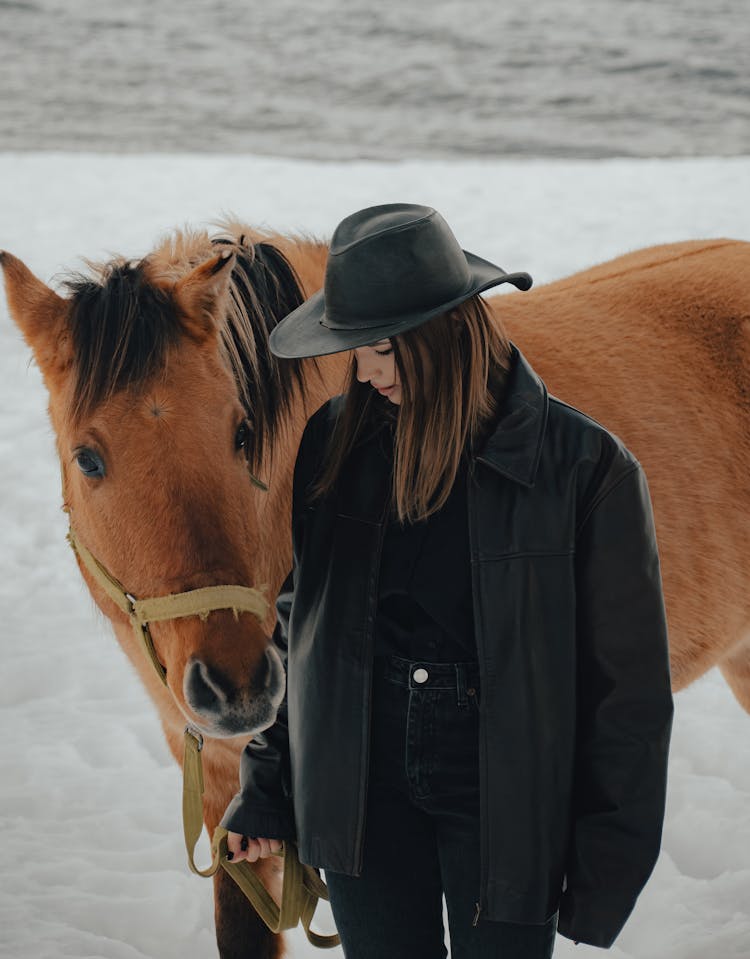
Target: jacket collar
514,446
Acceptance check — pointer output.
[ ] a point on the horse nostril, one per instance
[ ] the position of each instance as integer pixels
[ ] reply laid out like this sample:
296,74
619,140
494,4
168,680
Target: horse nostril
262,677
203,689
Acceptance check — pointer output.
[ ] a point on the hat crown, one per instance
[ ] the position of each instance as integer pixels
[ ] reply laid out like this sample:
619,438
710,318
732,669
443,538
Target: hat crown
367,224
390,260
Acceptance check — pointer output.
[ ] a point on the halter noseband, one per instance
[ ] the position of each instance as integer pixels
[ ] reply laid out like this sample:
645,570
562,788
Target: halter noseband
194,602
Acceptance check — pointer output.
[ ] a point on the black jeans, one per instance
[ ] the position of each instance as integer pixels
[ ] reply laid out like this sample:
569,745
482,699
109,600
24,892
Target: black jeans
422,827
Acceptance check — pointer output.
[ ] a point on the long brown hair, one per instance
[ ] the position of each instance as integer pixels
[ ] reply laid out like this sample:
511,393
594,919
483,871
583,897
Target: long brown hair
452,370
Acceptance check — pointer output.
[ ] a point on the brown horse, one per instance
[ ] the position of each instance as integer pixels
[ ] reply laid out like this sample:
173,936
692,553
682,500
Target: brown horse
163,391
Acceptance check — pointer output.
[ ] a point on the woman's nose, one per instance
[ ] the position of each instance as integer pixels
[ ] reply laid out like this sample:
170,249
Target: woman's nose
365,371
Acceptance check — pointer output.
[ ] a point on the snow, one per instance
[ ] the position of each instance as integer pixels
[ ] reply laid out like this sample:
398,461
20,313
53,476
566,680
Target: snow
93,863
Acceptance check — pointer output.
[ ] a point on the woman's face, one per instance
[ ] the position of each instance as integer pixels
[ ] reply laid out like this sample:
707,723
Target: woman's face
376,365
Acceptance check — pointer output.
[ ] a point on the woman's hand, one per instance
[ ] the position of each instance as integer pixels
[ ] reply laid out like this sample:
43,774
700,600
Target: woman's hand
243,847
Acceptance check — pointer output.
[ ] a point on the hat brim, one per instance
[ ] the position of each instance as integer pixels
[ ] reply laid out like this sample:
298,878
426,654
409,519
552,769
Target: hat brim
302,334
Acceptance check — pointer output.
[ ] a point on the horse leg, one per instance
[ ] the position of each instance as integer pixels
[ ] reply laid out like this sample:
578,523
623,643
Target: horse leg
735,668
240,932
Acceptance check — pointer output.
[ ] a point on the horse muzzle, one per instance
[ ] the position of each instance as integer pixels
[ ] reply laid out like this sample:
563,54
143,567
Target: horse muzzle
221,707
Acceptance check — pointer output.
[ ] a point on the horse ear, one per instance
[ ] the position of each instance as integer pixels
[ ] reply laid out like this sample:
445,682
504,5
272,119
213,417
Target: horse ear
39,313
200,296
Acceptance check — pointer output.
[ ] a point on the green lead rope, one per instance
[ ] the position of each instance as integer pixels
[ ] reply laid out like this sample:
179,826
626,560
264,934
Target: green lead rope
302,886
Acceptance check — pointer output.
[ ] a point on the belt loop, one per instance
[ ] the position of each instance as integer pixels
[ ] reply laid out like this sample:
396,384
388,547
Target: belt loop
461,698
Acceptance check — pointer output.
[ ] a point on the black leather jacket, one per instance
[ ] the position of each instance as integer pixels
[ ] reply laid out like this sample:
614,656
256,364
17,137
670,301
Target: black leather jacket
570,626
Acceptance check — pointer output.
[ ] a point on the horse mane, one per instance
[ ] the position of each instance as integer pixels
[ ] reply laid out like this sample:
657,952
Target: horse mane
123,322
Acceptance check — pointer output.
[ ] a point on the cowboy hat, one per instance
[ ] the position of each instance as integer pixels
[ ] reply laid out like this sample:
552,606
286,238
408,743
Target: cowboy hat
390,268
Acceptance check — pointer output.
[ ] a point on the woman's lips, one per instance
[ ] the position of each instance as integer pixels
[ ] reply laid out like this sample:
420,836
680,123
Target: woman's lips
385,389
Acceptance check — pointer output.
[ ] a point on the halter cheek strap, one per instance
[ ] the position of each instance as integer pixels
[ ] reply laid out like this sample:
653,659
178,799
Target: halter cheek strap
194,602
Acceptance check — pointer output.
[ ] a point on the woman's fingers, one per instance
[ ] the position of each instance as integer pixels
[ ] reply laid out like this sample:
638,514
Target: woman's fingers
235,843
269,846
246,847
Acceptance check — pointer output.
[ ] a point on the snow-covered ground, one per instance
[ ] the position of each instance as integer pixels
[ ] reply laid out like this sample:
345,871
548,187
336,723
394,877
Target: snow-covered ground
93,863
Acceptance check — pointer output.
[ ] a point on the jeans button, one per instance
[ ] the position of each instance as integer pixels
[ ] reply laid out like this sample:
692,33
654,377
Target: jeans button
420,675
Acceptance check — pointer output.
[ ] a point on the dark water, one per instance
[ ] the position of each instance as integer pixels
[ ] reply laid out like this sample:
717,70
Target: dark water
339,80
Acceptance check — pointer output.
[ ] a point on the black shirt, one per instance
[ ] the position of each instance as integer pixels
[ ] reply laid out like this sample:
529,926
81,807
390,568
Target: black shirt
425,601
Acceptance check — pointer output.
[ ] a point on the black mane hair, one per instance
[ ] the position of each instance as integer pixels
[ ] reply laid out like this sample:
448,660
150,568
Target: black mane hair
122,326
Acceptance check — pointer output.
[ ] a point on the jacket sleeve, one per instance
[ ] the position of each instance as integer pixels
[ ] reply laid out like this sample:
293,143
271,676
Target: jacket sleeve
624,714
264,805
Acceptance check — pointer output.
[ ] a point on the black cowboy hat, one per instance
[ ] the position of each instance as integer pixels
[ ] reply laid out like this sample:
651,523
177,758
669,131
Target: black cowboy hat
389,269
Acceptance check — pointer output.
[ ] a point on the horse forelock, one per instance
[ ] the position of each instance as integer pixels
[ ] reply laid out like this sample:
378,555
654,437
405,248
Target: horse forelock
121,326
123,321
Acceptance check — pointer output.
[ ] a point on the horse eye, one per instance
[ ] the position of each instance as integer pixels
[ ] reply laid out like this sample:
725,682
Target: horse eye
90,463
242,436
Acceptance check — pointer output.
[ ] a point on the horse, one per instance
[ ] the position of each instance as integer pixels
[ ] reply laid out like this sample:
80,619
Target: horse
177,430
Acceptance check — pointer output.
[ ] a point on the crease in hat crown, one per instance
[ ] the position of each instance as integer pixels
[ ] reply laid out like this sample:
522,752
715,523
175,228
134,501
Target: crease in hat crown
341,244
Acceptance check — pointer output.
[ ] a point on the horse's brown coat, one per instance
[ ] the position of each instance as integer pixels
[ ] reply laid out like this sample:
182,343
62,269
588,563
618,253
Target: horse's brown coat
655,345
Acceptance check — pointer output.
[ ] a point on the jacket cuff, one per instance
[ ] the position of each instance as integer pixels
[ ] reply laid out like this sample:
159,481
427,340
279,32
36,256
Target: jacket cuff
243,817
596,919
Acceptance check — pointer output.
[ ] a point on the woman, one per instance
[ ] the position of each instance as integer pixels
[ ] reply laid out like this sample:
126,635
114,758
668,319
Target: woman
478,691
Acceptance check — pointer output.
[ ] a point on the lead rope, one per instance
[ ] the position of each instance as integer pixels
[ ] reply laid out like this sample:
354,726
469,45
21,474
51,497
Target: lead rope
302,887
